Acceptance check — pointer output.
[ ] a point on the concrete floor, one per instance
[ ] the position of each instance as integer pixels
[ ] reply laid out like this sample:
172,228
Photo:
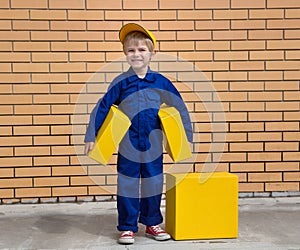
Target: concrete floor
264,223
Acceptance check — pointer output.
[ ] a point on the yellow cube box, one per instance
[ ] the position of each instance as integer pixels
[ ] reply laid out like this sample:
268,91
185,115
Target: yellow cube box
202,205
110,134
177,144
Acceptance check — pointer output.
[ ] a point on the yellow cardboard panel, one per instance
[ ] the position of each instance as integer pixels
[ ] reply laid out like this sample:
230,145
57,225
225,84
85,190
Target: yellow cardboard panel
110,135
177,144
202,206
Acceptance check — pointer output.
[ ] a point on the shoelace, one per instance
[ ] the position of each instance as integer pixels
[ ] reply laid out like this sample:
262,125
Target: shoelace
127,233
157,229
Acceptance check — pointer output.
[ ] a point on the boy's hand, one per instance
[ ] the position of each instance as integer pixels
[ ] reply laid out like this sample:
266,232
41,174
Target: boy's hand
88,147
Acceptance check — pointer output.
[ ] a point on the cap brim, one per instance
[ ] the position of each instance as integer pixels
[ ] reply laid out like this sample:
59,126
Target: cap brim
130,27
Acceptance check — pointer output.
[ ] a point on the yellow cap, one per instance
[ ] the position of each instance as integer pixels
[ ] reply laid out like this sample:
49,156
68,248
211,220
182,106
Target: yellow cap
129,27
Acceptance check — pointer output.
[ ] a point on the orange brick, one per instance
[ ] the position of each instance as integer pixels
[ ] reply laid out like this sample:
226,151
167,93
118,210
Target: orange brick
229,76
176,4
291,156
266,55
265,116
31,130
233,116
48,36
103,4
5,67
230,96
14,57
15,99
102,190
32,151
30,67
251,187
237,4
67,4
87,57
51,161
104,25
16,141
291,75
177,25
248,24
292,116
85,15
196,56
51,119
31,46
68,46
282,146
247,65
212,25
282,166
86,36
6,110
15,182
67,67
265,136
213,66
69,191
251,126
61,129
280,85
264,177
87,180
51,181
282,106
264,156
48,15
33,192
246,147
291,34
50,78
5,25
282,126
230,35
126,15
295,176
68,170
188,35
193,14
67,25
4,4
51,140
229,56
49,57
247,167
230,157
32,172
175,46
281,4
291,136
6,193
265,34
32,4
230,14
14,35
285,44
6,172
261,96
282,186
292,13
50,99
108,46
266,14
248,45
212,4
265,75
215,45
159,15
285,65
283,24
63,150
5,46
30,25
5,131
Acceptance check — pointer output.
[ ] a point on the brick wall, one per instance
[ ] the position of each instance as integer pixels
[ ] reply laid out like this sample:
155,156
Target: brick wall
50,50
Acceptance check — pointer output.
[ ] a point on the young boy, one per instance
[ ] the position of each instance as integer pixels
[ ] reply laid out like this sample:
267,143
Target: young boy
139,93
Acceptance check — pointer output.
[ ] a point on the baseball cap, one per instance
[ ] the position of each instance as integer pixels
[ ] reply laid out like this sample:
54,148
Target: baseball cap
130,27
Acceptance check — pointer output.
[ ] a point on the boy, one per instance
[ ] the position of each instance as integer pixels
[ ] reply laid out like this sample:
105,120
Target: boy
139,93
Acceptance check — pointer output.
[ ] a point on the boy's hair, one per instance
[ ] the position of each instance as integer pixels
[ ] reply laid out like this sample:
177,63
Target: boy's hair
136,36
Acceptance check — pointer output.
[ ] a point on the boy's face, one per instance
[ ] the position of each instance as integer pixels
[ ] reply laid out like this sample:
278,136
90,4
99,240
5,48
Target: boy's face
138,55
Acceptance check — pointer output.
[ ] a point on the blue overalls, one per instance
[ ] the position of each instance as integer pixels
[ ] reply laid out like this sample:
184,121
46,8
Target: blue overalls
140,160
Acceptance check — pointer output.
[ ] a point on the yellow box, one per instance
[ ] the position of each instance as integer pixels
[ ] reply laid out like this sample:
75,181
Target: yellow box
202,205
110,134
177,144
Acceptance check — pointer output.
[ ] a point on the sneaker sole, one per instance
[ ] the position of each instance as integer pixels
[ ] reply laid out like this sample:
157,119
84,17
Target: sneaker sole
125,241
158,238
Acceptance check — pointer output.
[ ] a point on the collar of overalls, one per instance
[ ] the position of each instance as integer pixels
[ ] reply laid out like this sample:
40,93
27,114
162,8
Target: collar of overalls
132,76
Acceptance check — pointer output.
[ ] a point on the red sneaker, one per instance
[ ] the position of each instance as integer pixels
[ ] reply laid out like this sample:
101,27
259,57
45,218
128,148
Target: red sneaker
126,237
157,233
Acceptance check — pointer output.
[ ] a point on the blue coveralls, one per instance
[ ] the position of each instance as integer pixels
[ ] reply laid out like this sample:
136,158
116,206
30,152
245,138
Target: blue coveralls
140,160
